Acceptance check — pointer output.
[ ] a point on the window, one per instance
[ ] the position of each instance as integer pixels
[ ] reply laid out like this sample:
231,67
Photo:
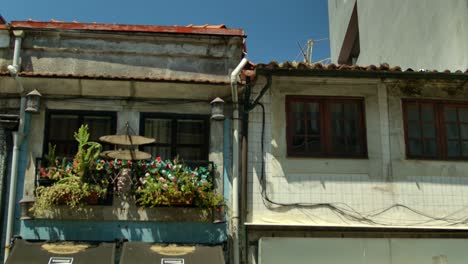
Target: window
61,126
436,129
325,126
186,136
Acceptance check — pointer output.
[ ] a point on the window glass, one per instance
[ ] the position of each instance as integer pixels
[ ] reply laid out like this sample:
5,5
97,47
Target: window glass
436,130
159,129
190,131
63,125
327,127
177,135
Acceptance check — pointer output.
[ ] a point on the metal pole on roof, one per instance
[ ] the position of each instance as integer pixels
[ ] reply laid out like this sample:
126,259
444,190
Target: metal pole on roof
310,48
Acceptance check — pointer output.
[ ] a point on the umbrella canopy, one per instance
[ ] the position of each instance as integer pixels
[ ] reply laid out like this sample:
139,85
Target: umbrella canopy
126,154
127,140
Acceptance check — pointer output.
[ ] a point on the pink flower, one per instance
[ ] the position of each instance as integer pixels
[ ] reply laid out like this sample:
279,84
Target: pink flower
103,161
165,186
161,179
139,188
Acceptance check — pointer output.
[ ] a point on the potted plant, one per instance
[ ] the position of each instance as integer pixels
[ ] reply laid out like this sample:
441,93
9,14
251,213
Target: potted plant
69,191
171,183
51,169
74,183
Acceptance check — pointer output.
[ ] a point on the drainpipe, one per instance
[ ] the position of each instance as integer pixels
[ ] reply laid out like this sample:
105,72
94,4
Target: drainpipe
17,141
235,159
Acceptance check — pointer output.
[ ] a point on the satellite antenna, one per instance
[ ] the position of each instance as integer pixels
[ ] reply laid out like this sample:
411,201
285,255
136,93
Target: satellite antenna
307,54
310,48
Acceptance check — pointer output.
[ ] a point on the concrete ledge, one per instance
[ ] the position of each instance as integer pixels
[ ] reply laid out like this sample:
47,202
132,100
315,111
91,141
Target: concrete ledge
126,210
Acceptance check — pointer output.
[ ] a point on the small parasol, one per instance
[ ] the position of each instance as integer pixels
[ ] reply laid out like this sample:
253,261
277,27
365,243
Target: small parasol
129,143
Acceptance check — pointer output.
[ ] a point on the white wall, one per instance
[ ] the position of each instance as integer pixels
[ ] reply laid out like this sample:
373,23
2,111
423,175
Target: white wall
339,13
429,34
357,188
361,250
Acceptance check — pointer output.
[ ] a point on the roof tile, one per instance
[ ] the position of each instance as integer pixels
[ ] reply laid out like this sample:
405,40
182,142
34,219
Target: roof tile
112,77
190,29
385,67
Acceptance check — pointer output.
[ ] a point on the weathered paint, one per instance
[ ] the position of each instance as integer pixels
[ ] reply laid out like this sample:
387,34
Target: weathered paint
208,30
227,158
157,232
362,250
128,55
357,186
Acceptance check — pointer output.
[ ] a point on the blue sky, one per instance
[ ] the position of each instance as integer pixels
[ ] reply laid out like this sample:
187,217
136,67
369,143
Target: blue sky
274,27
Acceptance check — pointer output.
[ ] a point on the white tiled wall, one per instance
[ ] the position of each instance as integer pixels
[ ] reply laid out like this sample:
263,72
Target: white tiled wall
415,193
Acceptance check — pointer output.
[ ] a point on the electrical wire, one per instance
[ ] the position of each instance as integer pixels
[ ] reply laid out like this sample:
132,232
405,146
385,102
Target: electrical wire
344,210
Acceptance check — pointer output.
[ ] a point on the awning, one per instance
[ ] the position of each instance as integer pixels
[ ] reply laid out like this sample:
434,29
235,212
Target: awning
61,252
140,252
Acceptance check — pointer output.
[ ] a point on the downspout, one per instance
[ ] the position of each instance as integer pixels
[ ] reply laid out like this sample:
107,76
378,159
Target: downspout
248,106
243,181
235,159
17,141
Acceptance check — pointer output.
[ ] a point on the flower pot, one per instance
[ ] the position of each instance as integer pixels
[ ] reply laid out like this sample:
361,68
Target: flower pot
218,214
46,182
64,199
92,198
179,200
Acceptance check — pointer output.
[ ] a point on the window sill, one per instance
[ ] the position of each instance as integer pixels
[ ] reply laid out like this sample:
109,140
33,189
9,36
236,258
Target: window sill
437,159
327,157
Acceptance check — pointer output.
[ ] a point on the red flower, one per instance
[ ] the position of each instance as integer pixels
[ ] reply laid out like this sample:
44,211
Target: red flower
158,159
111,163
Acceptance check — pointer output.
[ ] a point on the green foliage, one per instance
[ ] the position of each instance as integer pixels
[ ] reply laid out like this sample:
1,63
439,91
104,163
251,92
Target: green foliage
74,184
88,152
69,191
51,157
154,182
171,183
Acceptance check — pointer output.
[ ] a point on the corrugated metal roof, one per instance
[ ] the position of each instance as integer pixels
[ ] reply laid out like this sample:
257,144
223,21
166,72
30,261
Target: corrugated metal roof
190,29
113,77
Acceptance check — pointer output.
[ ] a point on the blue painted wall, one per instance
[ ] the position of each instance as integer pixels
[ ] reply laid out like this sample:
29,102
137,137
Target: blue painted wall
158,232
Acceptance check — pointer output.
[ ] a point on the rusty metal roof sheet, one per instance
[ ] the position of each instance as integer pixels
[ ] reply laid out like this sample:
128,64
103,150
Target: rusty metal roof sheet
190,29
350,69
113,77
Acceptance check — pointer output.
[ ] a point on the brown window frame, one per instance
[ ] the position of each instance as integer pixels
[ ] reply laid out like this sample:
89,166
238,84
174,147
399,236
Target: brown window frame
325,126
81,115
204,147
440,128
